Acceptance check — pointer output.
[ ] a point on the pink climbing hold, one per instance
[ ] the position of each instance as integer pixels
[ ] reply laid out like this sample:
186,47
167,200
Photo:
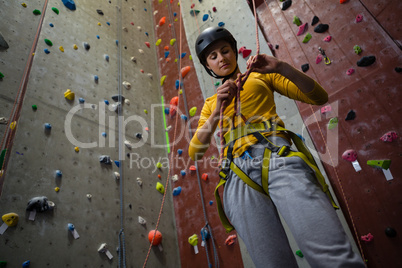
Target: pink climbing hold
302,29
328,38
367,238
148,44
230,240
350,71
245,52
132,23
389,136
318,59
326,109
359,18
349,155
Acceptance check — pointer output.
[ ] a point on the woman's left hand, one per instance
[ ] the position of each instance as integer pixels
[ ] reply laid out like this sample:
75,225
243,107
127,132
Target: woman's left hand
264,64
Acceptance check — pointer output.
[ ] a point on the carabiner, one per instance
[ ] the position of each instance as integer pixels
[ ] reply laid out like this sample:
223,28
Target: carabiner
326,59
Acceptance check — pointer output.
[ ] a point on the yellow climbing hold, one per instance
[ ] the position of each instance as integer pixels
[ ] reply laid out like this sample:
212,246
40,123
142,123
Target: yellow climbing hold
99,24
163,80
159,165
160,1
178,3
190,57
193,111
181,91
69,95
24,5
61,48
57,189
175,60
75,47
172,41
77,149
146,111
175,19
13,124
11,219
160,187
158,42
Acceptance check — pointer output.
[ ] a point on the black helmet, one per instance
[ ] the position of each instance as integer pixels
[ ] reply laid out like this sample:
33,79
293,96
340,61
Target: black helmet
207,38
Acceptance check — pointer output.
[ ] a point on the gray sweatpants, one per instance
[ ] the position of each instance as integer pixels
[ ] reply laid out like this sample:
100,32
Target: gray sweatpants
296,194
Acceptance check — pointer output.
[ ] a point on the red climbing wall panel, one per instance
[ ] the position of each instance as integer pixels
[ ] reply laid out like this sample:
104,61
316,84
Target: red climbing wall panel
369,201
188,205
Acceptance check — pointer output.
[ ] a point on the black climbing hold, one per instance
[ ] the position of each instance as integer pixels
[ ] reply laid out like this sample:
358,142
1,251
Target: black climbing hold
398,69
87,46
366,61
100,12
320,28
116,98
351,115
130,206
3,43
315,20
105,159
138,135
286,4
390,232
305,67
128,155
276,46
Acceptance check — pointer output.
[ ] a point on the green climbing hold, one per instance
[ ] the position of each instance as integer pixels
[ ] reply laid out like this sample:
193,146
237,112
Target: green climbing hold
333,122
1,75
217,83
194,12
190,57
384,164
160,188
193,111
297,21
299,253
55,10
163,78
3,154
307,38
48,42
34,107
159,165
37,12
357,49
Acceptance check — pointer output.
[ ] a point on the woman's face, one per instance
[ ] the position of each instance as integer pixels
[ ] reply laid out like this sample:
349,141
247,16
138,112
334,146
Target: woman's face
221,58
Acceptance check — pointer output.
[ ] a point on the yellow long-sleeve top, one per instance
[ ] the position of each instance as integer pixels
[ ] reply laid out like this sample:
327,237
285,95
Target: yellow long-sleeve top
257,105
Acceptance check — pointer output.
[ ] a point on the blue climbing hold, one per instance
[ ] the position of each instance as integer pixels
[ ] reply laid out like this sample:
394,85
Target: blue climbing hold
96,78
117,42
81,100
205,17
184,117
183,55
71,227
174,14
146,33
69,4
180,151
221,24
107,57
183,172
59,173
176,191
108,23
26,264
98,36
117,163
177,84
106,102
167,110
104,134
166,54
48,126
47,51
51,25
211,203
145,9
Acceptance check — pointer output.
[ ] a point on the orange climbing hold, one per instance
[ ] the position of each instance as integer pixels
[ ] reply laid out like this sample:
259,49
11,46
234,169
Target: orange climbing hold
148,44
185,70
173,105
166,48
158,237
193,168
230,240
159,176
342,1
162,21
204,176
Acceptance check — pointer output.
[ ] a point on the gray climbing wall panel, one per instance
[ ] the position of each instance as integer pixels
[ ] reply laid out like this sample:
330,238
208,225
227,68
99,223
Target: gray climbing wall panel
36,154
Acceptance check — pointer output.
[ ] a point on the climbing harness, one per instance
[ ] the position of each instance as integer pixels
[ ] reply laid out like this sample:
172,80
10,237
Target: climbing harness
257,130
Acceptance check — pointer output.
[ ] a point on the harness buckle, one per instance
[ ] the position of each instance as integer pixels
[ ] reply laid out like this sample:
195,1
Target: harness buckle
284,150
225,167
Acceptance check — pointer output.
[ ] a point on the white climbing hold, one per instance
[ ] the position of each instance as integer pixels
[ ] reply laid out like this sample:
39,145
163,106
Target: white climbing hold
127,85
133,59
127,101
149,75
128,144
155,12
3,121
89,196
139,28
141,220
141,51
175,178
116,175
125,29
139,181
168,128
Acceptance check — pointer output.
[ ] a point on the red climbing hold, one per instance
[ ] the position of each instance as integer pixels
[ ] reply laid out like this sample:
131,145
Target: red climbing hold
162,21
185,70
350,71
359,18
193,168
192,6
342,1
204,176
214,9
158,237
245,52
302,29
159,176
318,59
132,23
148,44
328,38
173,105
389,136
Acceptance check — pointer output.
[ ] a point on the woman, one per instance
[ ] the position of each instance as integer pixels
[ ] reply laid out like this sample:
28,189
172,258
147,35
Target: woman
261,153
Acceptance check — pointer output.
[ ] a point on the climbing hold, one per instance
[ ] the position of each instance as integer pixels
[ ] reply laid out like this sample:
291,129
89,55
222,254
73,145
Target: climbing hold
61,48
192,111
214,9
117,42
211,203
158,42
350,71
359,18
77,149
166,54
390,232
116,175
138,135
318,59
184,71
3,44
183,172
193,168
307,38
179,151
367,238
108,23
73,231
184,117
37,12
99,24
116,97
98,36
106,102
48,126
320,28
162,21
47,51
34,107
183,55
75,46
326,109
245,52
158,237
69,95
96,78
103,249
194,12
328,38
166,48
315,20
40,204
167,110
127,85
51,24
11,219
305,67
221,24
172,41
174,14
57,189
26,264
384,164
230,240
106,57
12,125
389,136
333,122
139,181
296,20
159,165
286,4
299,253
366,61
69,4
205,17
105,159
351,115
177,84
302,29
58,173
55,10
204,176
342,1
357,49
163,78
141,220
350,155
147,44
1,76
176,191
100,12
86,46
23,4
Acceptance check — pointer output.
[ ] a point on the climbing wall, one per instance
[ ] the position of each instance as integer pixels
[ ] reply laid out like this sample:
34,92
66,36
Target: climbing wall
76,151
361,121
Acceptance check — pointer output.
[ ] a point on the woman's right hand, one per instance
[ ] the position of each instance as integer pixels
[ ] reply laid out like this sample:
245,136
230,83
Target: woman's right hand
226,92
